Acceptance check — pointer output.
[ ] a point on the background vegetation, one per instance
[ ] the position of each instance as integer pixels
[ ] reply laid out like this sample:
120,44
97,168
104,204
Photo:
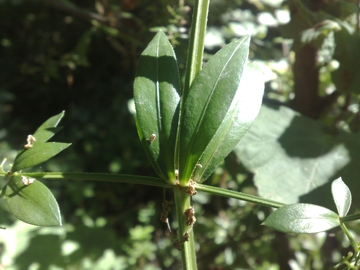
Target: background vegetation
80,56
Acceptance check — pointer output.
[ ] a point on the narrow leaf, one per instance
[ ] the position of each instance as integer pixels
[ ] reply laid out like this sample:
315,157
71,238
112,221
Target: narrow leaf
37,154
342,196
156,94
38,151
33,203
237,121
48,128
302,218
212,95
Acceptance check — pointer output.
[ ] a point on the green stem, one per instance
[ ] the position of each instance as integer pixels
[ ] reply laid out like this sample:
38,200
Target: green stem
350,217
196,43
350,237
194,56
238,195
104,177
188,255
158,182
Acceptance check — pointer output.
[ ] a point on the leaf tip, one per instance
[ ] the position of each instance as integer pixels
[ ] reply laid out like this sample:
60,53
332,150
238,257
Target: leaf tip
342,196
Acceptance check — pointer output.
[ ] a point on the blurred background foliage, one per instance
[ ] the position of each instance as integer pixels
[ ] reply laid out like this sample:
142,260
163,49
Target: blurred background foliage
80,56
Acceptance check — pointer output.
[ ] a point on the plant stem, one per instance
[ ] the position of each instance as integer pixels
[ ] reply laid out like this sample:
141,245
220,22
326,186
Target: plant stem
350,217
194,56
238,195
104,177
196,43
188,255
158,182
350,237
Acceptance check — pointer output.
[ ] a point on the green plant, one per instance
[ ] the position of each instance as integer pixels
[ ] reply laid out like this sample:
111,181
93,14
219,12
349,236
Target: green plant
185,133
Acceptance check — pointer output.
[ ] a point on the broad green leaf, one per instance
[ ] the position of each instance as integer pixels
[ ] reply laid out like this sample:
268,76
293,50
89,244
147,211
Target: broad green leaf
302,218
289,154
213,97
33,204
156,95
48,128
342,196
235,124
39,153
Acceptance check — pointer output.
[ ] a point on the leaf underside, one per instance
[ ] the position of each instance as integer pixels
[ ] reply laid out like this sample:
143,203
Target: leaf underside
342,196
302,218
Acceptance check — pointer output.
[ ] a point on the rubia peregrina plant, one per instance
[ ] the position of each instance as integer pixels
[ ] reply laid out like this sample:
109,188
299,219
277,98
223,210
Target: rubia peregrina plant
27,198
185,139
186,132
309,218
187,136
223,101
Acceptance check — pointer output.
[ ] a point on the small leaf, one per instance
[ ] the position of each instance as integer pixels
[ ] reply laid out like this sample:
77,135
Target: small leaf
342,196
33,204
156,95
37,154
48,128
236,122
302,218
213,99
40,151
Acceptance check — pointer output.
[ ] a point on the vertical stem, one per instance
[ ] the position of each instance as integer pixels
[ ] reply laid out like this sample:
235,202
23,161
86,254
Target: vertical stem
196,43
193,67
194,56
188,255
350,237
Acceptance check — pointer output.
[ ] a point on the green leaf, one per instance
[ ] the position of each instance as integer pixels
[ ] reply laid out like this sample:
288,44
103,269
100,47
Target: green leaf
213,98
302,218
235,124
48,129
290,155
342,196
40,150
36,155
156,94
33,204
